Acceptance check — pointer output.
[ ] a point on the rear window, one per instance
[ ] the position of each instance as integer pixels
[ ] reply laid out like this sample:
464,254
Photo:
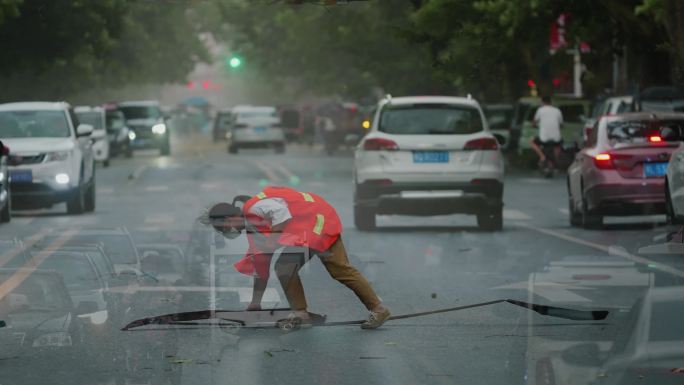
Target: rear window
573,113
427,119
666,321
638,130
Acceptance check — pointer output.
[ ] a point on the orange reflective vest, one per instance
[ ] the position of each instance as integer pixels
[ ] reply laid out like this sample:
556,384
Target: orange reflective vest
314,225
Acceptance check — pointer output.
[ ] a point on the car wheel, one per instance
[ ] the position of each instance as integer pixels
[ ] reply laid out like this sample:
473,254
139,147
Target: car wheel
6,214
364,218
672,218
165,149
280,148
75,203
590,220
491,220
575,217
89,203
233,149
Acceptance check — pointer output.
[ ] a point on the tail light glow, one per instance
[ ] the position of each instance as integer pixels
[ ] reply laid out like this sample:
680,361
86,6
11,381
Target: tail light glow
380,144
482,144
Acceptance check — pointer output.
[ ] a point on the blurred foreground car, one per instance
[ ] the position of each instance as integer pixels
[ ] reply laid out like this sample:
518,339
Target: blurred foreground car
147,126
621,169
95,116
52,158
116,241
649,349
118,132
429,156
42,327
254,127
5,199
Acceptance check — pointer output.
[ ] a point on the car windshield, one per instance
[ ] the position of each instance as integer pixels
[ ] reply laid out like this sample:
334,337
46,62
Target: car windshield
430,119
115,121
32,292
140,112
635,130
33,124
343,191
76,270
92,118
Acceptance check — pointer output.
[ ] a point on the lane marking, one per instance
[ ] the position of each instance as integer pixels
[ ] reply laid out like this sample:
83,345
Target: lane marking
28,243
156,188
32,264
269,172
515,215
615,251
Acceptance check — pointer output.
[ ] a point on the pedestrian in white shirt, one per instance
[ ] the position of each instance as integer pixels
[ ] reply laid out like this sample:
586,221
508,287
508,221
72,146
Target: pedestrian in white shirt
549,120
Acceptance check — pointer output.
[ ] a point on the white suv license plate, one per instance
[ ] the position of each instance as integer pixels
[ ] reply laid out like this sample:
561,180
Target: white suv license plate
430,156
432,194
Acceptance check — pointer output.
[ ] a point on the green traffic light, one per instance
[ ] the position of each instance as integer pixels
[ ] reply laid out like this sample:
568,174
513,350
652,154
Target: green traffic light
235,62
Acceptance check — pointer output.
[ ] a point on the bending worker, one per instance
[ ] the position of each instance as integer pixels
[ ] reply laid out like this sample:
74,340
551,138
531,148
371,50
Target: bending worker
280,217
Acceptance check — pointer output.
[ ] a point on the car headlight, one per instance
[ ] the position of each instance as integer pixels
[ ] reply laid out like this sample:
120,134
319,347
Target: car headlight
159,129
53,339
56,156
131,135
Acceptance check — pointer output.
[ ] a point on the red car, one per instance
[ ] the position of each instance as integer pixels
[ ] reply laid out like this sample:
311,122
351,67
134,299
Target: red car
621,169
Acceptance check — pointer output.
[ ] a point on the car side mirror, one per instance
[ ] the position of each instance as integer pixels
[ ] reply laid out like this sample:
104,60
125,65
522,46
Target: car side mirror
84,130
587,354
500,139
98,134
86,307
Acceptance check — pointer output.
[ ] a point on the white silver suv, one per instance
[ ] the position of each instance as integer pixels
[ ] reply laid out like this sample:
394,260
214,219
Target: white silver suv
429,155
51,157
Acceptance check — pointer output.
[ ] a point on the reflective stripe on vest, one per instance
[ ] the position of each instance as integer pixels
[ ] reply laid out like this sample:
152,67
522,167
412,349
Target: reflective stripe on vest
261,195
307,197
320,221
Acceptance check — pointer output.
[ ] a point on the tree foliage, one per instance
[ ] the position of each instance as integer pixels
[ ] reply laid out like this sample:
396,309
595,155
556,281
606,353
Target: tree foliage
53,48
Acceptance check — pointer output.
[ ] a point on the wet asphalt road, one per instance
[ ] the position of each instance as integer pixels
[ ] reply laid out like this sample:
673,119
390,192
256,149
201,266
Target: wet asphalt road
414,263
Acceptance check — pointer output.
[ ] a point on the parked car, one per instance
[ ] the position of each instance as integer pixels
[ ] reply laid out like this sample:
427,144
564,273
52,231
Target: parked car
575,112
95,116
118,132
5,199
429,156
253,127
674,185
649,349
621,170
52,158
609,106
41,321
147,125
500,120
660,99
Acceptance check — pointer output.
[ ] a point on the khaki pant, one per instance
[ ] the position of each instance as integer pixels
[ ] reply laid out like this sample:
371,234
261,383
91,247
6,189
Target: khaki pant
336,262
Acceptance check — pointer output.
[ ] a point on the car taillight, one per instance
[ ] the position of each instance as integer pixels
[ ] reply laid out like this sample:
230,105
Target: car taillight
607,161
482,144
380,144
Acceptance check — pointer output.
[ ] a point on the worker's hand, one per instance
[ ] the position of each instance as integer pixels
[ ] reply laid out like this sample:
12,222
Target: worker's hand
253,306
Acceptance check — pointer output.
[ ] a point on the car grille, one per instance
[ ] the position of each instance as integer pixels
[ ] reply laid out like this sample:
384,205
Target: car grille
143,132
17,160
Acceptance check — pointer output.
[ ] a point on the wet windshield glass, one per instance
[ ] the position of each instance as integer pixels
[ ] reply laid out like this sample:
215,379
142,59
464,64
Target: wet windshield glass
437,119
33,124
